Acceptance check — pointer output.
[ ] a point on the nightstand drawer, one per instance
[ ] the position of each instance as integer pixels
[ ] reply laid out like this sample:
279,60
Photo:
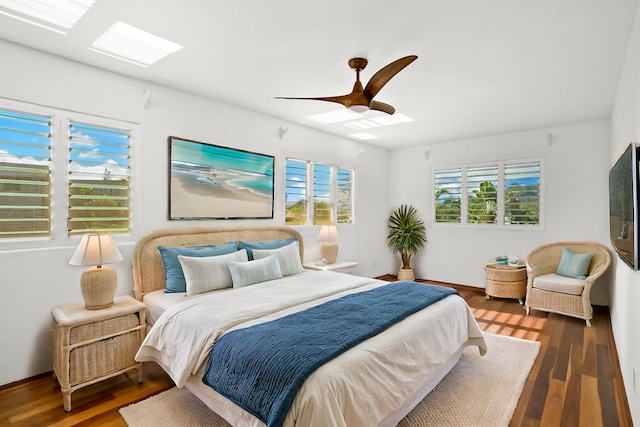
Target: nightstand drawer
103,357
102,329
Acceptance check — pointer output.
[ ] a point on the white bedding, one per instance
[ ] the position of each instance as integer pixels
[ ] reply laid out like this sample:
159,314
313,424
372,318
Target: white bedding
361,387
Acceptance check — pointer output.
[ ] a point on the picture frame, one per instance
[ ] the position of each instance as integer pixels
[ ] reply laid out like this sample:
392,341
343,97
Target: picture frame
208,181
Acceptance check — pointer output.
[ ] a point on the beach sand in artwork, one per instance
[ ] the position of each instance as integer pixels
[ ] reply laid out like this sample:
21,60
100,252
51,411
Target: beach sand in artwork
223,201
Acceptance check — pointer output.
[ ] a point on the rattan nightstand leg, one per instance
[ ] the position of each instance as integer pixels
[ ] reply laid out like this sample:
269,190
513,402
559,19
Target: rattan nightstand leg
66,398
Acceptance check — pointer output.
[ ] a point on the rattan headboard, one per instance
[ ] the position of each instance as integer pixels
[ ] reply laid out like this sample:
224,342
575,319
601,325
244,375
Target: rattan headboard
148,269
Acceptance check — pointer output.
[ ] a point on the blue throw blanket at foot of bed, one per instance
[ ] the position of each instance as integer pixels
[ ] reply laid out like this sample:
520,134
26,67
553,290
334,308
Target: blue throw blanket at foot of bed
261,368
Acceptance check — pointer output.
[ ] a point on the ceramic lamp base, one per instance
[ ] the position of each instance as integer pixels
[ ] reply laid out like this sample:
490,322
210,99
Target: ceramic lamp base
98,286
329,252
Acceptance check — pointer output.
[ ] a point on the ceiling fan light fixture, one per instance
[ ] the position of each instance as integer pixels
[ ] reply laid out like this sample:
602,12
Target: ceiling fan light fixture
358,108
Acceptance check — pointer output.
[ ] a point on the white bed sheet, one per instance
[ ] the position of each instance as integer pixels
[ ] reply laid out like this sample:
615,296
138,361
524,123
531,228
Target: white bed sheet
157,302
370,384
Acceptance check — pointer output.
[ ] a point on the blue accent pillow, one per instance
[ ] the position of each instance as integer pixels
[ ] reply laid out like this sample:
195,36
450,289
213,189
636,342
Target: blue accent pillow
174,275
269,244
574,265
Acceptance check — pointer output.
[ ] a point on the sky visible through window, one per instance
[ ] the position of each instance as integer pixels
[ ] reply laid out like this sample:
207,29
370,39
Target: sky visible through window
24,139
296,187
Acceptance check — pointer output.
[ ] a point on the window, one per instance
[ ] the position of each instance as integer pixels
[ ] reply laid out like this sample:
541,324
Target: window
318,193
522,193
62,176
505,194
25,175
448,188
296,192
323,195
482,194
344,208
98,179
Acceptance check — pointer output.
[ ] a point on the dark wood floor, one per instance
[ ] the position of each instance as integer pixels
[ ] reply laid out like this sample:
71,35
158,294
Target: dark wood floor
575,380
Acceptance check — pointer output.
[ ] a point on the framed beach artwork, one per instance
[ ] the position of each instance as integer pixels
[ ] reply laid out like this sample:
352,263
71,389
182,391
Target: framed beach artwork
212,182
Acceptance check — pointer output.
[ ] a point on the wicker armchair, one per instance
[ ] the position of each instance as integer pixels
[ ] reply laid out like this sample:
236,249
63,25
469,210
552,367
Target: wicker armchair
572,298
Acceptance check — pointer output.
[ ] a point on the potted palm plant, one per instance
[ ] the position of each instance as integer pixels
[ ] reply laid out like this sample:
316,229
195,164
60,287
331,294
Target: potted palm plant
407,236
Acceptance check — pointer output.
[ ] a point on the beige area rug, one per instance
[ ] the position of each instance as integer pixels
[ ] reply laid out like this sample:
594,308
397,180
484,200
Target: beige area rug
478,392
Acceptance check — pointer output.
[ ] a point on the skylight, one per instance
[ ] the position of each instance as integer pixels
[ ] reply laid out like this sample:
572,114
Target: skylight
363,124
356,120
131,44
363,136
54,15
334,116
392,119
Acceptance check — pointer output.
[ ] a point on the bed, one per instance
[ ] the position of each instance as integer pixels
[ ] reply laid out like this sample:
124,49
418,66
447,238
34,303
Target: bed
376,382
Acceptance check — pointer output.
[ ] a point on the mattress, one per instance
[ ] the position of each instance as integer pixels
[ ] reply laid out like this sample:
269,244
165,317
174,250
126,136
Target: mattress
374,383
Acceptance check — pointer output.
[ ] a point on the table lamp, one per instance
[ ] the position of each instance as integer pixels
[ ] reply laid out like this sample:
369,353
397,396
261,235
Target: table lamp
329,249
98,284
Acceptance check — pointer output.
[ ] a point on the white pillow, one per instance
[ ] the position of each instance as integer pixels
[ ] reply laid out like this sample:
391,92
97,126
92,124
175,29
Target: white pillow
204,274
288,257
252,272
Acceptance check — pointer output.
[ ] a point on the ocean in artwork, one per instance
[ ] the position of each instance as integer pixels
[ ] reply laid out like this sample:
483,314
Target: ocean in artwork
217,182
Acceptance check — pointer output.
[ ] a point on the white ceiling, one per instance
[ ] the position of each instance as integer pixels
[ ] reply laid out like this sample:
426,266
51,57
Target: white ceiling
484,66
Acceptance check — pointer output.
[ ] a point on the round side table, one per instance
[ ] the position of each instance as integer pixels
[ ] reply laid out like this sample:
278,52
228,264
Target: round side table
504,281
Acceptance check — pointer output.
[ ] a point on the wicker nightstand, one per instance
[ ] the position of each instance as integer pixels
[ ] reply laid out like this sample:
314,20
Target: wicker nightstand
349,267
93,345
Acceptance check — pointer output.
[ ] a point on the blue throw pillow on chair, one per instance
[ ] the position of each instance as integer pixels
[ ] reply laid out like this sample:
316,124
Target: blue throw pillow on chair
574,265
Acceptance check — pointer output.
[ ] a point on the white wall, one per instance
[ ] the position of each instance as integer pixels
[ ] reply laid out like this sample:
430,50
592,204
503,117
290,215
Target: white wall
575,198
624,294
34,281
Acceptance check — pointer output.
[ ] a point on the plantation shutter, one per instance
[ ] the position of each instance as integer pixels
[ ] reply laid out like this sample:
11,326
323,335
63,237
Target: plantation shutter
322,199
482,194
448,189
522,193
295,192
99,179
25,175
345,196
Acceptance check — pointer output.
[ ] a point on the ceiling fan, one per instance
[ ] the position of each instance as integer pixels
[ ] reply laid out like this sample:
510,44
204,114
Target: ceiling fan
361,100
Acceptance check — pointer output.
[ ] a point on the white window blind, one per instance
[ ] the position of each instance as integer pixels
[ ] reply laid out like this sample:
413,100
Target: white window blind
503,194
318,193
322,194
344,208
448,189
25,175
522,193
482,194
295,192
99,179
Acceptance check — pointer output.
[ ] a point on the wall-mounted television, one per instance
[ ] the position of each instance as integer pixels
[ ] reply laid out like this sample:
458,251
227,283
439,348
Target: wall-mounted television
623,206
208,181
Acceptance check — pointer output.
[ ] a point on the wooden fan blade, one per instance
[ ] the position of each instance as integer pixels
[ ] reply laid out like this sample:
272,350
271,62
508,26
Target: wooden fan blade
354,98
381,106
342,99
385,74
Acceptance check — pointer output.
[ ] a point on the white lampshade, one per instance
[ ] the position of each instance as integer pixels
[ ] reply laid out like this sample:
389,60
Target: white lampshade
98,284
328,233
96,249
